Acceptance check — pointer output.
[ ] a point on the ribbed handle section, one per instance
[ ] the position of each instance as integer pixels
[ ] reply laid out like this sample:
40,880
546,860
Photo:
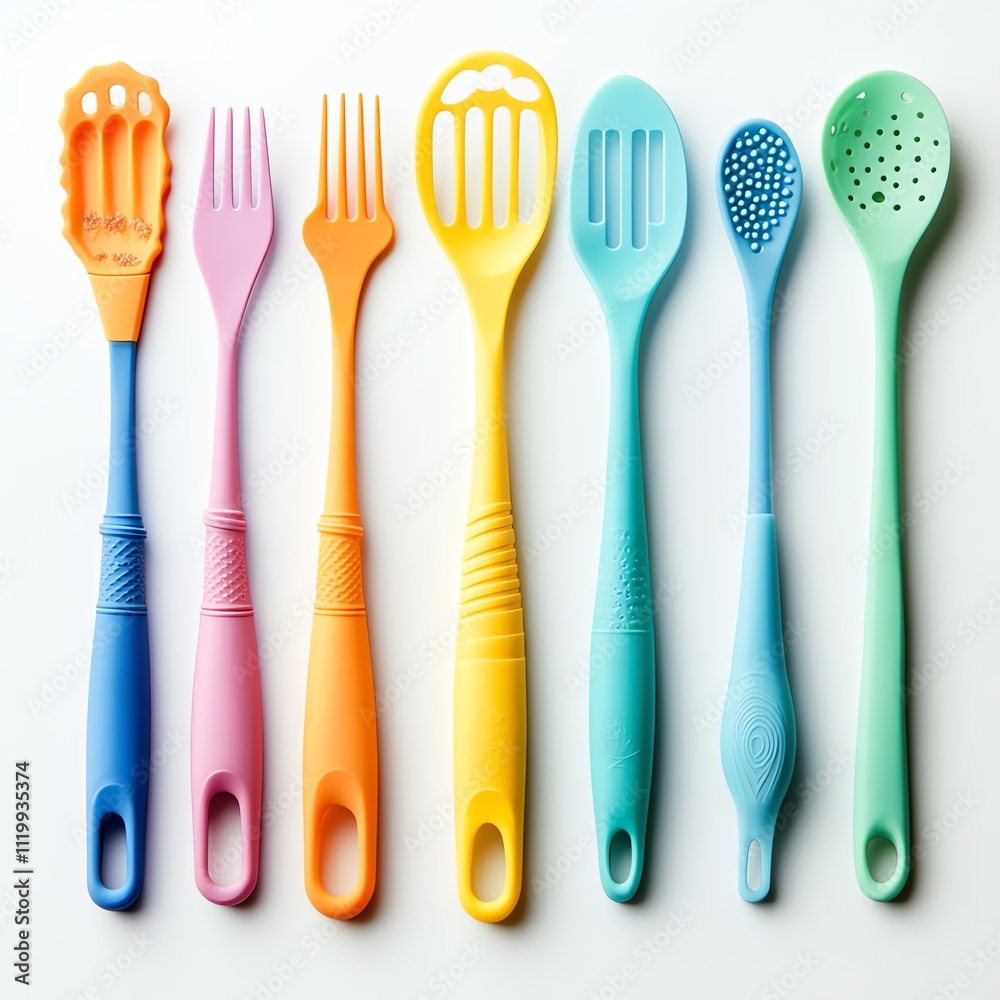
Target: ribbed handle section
489,563
490,707
339,588
227,583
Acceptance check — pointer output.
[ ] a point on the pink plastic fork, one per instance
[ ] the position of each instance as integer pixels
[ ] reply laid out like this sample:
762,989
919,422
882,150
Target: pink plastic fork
227,750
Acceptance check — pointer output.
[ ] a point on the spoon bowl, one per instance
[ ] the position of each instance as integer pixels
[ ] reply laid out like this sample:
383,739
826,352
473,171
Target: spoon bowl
886,151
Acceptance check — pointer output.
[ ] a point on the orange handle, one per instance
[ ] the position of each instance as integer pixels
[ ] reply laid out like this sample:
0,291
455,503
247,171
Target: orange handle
340,747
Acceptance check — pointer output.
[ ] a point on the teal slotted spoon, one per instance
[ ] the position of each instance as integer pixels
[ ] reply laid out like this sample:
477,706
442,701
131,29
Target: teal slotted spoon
628,205
886,151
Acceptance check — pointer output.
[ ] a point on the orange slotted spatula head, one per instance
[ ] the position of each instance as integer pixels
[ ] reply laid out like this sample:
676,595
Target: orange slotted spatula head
116,172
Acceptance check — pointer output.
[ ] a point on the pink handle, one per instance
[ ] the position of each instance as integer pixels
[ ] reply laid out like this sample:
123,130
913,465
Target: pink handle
227,742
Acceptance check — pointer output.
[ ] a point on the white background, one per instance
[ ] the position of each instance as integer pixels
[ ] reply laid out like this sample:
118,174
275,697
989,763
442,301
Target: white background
781,60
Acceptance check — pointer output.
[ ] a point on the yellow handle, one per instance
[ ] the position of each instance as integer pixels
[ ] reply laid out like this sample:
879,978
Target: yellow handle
490,707
340,749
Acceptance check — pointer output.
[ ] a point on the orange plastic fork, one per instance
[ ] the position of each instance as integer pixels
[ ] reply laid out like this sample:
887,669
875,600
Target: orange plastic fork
340,750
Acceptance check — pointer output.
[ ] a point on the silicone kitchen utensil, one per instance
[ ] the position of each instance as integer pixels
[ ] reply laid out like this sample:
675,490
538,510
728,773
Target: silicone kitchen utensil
760,189
116,172
340,751
628,206
490,709
227,742
886,151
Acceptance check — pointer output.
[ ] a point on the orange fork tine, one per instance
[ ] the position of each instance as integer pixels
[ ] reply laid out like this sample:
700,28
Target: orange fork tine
342,162
321,199
379,199
361,201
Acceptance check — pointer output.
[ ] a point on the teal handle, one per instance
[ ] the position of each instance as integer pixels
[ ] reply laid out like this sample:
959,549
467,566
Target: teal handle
881,779
622,692
758,722
623,655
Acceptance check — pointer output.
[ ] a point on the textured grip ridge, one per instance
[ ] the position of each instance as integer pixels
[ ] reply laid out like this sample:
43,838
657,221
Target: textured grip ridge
624,598
489,564
339,586
227,583
759,742
123,575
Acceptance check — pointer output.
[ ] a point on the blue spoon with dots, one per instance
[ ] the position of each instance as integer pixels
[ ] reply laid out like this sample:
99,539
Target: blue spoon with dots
760,189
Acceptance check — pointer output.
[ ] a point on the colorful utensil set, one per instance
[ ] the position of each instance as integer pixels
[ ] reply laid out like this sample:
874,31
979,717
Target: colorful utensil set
886,150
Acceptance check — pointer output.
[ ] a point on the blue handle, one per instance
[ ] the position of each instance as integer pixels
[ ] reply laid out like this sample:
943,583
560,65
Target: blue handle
758,722
118,708
623,656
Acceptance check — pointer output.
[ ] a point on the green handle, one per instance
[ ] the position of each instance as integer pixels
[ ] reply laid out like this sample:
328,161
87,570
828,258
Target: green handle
881,781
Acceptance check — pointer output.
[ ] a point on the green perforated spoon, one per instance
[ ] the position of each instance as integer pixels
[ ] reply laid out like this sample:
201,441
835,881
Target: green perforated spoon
886,150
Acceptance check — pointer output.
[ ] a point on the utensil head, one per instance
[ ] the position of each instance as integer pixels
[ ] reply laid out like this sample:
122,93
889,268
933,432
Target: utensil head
115,169
496,84
628,190
231,239
346,245
760,189
886,152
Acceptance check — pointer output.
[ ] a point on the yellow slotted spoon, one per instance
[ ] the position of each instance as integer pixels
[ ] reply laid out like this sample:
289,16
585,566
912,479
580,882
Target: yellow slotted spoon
490,697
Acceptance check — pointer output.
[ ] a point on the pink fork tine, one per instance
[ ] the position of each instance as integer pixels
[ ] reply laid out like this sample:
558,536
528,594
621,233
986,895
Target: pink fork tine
246,184
264,170
206,190
226,193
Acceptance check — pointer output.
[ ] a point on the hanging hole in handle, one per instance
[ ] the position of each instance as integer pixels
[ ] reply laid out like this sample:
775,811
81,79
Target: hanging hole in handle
620,857
881,858
116,94
88,103
144,103
339,850
489,864
225,839
755,866
114,851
